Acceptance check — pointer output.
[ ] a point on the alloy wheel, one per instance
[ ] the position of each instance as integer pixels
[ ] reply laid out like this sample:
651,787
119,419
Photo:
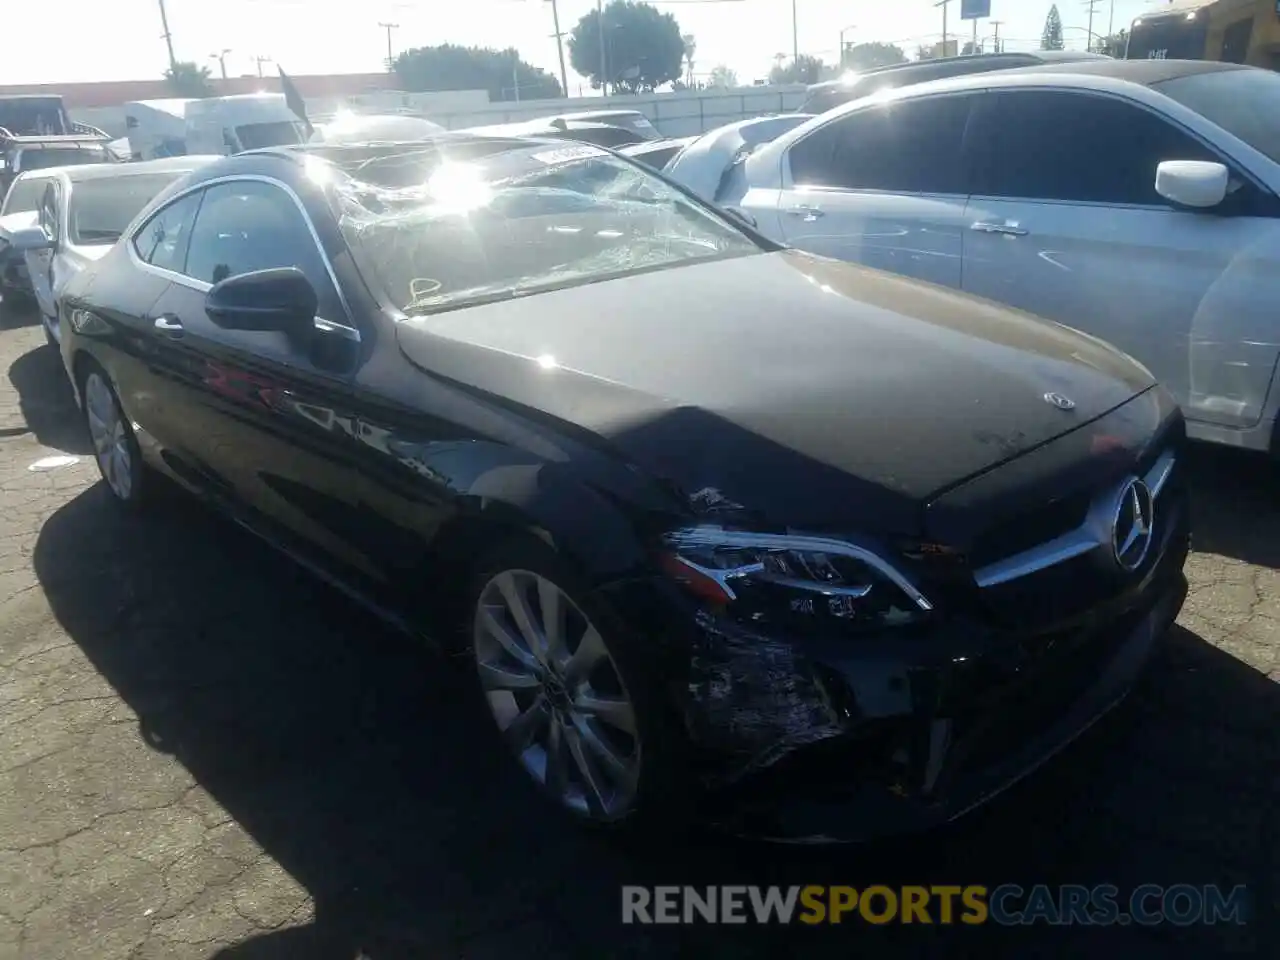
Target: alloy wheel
110,436
556,694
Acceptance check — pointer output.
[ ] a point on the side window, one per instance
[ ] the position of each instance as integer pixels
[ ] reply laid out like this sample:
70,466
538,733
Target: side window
911,146
162,242
1057,145
250,225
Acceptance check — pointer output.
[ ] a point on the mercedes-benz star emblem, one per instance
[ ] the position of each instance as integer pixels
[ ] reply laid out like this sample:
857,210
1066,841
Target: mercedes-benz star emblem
1059,401
1132,525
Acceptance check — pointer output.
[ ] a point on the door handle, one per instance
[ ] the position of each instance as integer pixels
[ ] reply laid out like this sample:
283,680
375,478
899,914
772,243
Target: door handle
1005,229
169,325
805,212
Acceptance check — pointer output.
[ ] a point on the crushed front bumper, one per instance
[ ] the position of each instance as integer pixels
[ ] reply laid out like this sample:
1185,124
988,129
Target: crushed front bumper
847,740
867,783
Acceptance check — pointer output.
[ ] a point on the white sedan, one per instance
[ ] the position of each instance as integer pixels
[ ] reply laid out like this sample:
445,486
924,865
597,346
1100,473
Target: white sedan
1138,201
81,214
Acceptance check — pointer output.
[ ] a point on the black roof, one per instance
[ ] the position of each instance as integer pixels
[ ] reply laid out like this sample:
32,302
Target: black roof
1149,73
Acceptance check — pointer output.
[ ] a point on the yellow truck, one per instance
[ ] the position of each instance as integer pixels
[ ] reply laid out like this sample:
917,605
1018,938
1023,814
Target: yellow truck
1231,31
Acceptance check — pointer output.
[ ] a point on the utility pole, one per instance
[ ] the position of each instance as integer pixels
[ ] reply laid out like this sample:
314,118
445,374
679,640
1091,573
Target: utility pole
168,38
555,18
1111,21
795,32
604,55
995,40
390,56
260,61
1092,5
973,48
943,5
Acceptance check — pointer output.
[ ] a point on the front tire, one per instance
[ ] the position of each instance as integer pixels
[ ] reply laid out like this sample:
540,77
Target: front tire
580,711
115,448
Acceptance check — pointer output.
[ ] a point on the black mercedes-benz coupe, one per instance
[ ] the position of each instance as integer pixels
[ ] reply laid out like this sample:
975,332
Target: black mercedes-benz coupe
720,530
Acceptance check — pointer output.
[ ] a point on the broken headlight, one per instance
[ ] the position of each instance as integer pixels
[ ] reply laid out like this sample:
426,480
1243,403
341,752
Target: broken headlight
794,581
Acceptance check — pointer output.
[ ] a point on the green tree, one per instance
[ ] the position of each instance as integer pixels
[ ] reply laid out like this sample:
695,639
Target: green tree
1051,39
722,77
803,69
452,67
642,47
187,79
867,56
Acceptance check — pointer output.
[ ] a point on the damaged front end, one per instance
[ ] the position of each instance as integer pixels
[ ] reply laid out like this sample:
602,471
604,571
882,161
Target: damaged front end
775,611
829,699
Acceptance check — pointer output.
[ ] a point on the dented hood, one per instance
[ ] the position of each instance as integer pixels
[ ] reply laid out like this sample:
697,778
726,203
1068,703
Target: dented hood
811,391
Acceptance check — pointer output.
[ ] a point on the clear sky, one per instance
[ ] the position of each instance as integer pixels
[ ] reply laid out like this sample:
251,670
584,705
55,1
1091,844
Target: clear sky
47,41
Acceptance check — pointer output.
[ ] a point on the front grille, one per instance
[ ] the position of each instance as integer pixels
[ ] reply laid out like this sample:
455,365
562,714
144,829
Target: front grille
1050,565
1029,528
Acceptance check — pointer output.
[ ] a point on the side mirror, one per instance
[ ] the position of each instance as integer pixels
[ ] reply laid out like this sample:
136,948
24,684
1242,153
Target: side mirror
281,299
1193,184
739,214
30,239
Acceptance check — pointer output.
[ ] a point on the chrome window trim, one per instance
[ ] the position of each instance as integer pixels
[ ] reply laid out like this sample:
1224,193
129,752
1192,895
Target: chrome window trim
709,536
1093,533
348,330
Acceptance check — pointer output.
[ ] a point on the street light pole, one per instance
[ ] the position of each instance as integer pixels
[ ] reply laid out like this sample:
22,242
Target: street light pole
843,31
222,61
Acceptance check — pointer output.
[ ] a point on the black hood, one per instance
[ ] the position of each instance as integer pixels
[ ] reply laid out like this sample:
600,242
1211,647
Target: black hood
814,392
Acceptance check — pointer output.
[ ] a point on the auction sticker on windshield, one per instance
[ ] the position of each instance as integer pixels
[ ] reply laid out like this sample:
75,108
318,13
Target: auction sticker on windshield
565,154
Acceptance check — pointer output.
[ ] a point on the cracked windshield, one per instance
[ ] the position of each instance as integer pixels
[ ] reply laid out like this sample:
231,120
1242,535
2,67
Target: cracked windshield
639,478
521,220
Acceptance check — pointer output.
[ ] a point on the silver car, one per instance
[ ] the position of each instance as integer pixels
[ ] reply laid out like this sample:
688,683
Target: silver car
82,213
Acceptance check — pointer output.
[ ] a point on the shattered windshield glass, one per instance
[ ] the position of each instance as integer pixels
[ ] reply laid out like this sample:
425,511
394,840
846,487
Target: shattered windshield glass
445,228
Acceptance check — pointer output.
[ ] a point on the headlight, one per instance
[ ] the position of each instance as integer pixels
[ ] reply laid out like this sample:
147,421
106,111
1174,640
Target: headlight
797,581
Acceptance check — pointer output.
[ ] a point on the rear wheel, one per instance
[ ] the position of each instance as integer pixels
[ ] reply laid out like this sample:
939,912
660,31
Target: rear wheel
114,446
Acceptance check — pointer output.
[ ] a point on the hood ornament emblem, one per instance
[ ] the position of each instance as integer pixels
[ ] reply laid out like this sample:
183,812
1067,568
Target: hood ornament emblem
1059,401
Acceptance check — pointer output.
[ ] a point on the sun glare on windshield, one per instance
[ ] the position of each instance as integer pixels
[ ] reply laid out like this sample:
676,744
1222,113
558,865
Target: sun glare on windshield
459,188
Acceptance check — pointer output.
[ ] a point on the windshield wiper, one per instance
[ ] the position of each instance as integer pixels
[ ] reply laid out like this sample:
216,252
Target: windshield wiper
99,236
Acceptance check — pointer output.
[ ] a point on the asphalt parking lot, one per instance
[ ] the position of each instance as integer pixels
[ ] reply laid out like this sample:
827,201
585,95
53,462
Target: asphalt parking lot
204,753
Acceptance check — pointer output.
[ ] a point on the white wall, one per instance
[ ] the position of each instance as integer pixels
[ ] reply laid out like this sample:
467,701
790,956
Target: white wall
674,114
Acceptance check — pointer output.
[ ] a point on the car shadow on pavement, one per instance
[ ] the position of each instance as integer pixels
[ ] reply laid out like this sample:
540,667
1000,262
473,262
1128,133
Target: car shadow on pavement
16,312
1239,514
356,761
46,402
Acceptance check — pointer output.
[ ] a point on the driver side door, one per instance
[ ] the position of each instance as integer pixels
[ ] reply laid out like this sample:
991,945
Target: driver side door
261,420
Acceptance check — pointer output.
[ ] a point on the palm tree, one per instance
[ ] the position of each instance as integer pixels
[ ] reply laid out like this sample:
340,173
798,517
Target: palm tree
690,48
187,79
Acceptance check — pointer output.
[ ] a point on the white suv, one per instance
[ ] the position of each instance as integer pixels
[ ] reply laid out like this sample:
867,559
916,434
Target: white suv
1133,200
